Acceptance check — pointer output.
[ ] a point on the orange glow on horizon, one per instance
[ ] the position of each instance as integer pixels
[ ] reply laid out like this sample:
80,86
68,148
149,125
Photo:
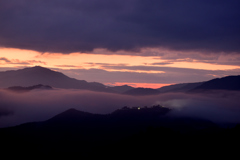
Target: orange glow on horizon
19,58
200,65
81,60
136,85
137,71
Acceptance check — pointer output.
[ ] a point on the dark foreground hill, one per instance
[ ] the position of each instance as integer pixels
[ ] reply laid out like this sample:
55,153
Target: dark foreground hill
125,133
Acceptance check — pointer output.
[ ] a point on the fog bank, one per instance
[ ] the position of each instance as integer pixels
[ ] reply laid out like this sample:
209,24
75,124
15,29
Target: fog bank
40,105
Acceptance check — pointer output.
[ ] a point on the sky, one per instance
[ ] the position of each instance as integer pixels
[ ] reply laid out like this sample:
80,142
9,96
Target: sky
143,43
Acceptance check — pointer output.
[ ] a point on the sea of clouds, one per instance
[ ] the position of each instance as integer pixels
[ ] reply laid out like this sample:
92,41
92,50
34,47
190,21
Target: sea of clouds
40,105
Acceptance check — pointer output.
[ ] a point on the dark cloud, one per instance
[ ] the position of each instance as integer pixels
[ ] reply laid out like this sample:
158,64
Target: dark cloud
67,66
41,105
162,63
105,64
104,76
73,25
5,60
190,71
220,59
17,61
5,112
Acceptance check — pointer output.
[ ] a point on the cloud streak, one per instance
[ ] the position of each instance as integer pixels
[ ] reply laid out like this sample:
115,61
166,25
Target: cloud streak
71,25
169,75
219,59
19,62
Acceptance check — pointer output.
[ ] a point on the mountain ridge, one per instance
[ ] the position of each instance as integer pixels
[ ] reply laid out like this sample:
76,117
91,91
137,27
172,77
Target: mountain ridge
39,75
224,83
32,76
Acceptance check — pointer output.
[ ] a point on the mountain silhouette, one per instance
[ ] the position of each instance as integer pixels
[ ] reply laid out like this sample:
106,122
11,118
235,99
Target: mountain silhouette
181,87
123,132
142,91
122,118
73,117
40,75
28,77
225,83
117,124
121,89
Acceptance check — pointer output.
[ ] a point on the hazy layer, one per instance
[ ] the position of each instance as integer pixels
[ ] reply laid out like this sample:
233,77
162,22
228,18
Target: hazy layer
39,105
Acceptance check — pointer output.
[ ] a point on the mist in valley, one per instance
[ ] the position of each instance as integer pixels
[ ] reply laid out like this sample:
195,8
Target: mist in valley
40,105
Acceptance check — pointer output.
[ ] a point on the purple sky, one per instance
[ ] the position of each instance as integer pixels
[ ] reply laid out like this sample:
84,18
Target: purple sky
182,41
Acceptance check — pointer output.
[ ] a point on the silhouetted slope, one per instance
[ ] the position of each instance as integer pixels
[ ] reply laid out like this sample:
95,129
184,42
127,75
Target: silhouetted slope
140,113
71,114
182,87
170,88
120,121
121,89
74,117
142,92
39,75
128,119
225,83
125,132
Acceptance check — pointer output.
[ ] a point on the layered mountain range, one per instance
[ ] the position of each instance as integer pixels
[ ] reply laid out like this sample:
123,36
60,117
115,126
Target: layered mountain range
37,75
132,132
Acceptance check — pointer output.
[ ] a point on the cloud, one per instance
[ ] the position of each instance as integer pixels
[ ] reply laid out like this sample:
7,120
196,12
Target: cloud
71,25
218,106
41,105
105,64
17,61
220,59
162,63
67,66
169,75
5,112
104,76
5,60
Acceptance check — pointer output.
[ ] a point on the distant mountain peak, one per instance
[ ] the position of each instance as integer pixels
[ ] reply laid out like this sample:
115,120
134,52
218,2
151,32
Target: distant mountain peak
38,68
72,115
40,75
71,110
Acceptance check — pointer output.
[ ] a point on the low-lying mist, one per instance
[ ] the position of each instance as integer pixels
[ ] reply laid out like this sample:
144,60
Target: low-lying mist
40,105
